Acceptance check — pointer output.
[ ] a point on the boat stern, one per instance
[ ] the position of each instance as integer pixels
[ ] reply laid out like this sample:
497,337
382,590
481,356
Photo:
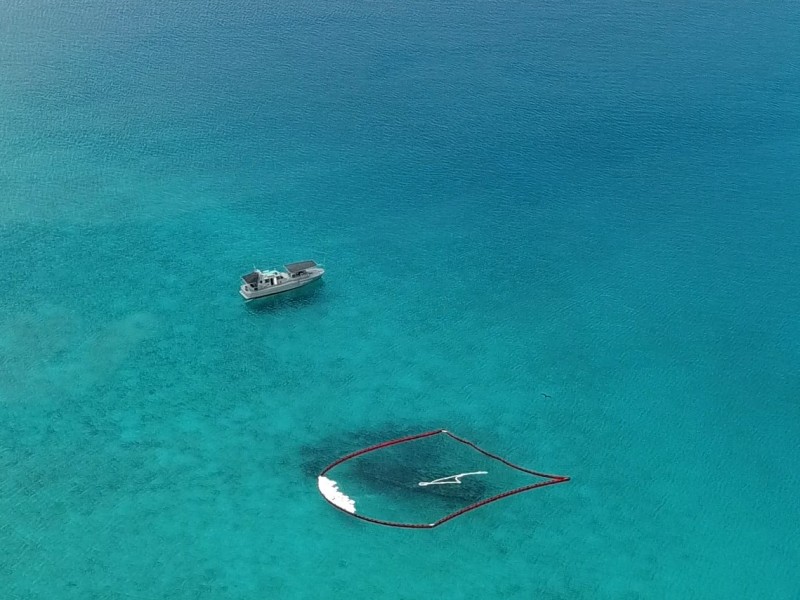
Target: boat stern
245,292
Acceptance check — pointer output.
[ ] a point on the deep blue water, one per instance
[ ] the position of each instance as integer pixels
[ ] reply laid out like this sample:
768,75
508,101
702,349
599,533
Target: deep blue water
596,202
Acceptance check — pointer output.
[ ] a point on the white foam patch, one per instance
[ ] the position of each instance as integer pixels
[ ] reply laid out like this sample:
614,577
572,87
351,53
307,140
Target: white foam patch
330,490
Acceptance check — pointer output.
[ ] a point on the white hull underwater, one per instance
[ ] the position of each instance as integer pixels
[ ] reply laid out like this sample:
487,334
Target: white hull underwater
260,284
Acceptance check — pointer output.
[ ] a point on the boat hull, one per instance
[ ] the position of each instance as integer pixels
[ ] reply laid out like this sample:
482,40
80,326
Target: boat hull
292,284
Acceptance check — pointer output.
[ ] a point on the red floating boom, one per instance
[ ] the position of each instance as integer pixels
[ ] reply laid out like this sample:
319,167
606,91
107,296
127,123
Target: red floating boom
339,500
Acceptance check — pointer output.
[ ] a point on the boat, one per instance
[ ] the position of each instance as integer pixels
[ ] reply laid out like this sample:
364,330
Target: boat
260,284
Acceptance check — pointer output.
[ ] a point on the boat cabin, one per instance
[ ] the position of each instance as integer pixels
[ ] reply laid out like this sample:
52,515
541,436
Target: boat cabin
258,280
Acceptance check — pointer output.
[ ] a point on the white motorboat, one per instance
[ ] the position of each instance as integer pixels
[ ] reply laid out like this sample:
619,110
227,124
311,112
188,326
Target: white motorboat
259,284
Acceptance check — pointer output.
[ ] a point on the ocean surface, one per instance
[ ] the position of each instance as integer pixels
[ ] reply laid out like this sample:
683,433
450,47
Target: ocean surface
566,231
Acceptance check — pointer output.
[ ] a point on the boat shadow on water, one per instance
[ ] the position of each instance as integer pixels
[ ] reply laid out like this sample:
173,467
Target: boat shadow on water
297,298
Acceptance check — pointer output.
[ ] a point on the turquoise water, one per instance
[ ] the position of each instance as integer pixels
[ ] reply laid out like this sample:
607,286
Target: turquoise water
596,202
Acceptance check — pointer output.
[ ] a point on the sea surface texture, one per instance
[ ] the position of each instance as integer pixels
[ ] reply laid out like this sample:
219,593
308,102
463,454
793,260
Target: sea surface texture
566,231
